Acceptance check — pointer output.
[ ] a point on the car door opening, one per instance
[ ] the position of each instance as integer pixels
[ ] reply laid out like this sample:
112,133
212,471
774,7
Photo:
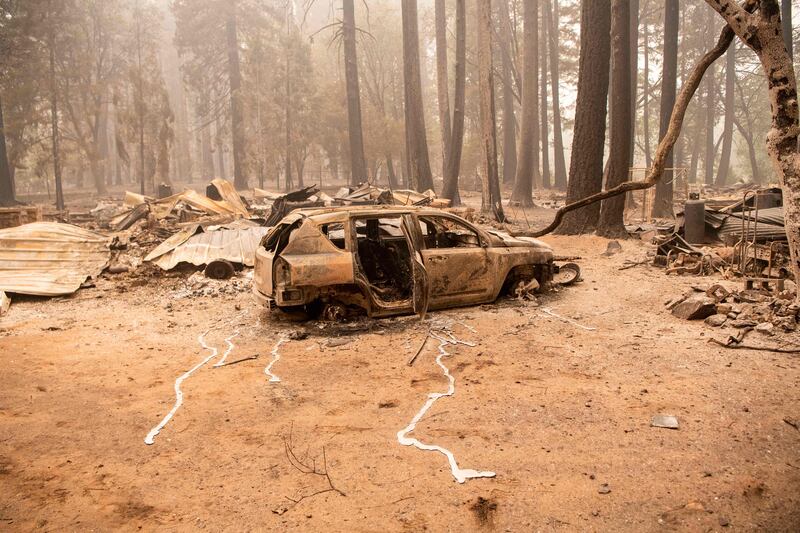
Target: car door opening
384,258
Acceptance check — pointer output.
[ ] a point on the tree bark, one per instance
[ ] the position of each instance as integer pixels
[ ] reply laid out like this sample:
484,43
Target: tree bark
634,56
662,207
6,184
611,223
237,112
711,118
730,114
509,119
416,137
528,168
559,162
453,169
546,181
358,165
442,81
786,26
586,164
492,201
762,32
648,158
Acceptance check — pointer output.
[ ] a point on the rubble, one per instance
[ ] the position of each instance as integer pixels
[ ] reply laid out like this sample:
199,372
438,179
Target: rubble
50,258
5,303
740,309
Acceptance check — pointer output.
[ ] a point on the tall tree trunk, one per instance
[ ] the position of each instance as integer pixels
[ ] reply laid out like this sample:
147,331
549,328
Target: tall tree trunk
662,207
492,201
634,55
648,158
559,162
546,183
786,26
390,173
6,184
358,165
586,164
509,125
54,132
528,168
619,162
711,117
288,181
207,154
696,144
220,151
416,137
237,113
442,81
730,115
509,119
453,169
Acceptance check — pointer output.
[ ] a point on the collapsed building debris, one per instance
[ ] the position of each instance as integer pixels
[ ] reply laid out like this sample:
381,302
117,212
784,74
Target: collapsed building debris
201,245
50,258
5,303
753,308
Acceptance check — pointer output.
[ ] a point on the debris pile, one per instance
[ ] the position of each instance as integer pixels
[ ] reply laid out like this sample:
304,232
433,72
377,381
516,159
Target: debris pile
758,309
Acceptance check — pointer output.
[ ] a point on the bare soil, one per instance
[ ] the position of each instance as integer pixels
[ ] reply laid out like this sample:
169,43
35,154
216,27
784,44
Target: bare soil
559,411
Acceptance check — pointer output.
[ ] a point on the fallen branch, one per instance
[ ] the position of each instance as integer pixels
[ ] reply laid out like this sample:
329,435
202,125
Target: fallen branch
758,348
656,171
310,468
424,342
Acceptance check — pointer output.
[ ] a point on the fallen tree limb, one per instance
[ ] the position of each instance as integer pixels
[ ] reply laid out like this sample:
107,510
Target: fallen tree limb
656,171
758,348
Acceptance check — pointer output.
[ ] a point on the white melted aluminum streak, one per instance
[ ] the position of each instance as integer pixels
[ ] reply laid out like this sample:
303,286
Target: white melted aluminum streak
461,474
276,355
567,320
150,438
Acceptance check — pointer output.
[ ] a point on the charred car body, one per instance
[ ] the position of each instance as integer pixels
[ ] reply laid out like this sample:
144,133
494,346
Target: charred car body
390,260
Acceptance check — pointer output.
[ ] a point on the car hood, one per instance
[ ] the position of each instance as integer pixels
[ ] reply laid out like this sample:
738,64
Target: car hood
501,238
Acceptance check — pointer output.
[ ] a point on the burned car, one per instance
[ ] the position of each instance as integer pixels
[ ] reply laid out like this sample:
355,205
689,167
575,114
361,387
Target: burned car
388,260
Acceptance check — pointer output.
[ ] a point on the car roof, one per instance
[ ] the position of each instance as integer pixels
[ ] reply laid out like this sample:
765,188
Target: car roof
327,215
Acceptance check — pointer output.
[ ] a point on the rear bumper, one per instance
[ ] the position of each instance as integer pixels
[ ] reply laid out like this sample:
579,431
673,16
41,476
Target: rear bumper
263,299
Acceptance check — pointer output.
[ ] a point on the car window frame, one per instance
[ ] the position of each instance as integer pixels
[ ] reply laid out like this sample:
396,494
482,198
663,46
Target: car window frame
483,241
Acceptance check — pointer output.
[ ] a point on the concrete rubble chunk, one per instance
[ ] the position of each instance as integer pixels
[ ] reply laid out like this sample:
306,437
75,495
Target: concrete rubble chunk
716,320
696,307
665,421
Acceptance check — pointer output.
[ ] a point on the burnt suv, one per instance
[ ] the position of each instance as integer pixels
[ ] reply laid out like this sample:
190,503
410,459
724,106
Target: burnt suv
389,260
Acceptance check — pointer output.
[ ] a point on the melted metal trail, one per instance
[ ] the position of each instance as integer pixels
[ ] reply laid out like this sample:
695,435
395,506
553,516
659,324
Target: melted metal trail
460,474
150,438
276,355
568,320
228,351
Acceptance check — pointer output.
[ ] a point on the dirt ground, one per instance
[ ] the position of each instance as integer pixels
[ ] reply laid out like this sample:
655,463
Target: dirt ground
559,408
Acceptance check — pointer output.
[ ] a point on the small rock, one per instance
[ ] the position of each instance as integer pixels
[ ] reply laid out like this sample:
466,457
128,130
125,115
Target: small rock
334,343
665,421
724,309
724,522
695,506
767,328
695,307
604,489
716,320
742,323
614,247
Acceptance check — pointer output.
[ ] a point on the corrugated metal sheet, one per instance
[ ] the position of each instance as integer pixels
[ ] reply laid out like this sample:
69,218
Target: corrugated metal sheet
231,204
50,259
201,247
770,225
